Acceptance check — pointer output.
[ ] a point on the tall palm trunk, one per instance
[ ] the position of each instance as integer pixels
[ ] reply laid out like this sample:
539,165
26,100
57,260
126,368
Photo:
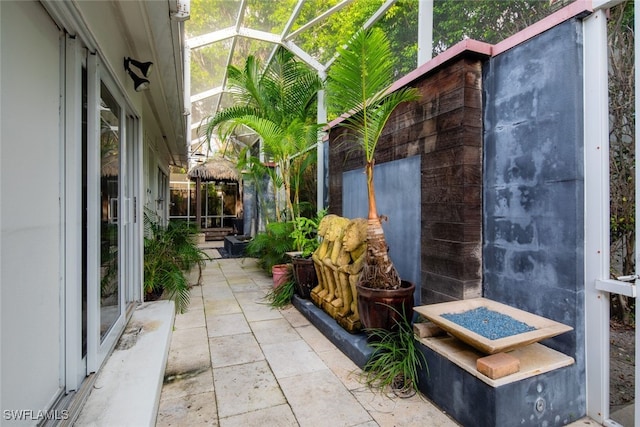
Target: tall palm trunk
378,271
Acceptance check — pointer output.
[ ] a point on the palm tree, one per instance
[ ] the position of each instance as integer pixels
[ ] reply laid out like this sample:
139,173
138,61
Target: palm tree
357,85
279,104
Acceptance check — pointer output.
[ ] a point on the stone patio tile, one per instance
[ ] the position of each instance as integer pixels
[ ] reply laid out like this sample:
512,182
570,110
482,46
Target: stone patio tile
188,351
214,278
234,350
319,399
196,295
217,293
343,367
233,272
184,384
193,276
191,410
315,338
212,269
292,358
273,331
213,253
280,416
236,277
227,324
192,318
387,409
245,388
294,317
245,286
215,307
256,307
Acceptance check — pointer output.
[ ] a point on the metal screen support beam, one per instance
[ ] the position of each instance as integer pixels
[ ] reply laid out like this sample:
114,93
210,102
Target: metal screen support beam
425,31
636,61
596,214
321,147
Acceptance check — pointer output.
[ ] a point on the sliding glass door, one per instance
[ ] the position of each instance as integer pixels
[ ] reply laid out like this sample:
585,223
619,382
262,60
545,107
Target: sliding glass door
114,279
110,182
103,238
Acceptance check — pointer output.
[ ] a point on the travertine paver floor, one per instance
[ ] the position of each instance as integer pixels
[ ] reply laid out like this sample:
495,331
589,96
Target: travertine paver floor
235,361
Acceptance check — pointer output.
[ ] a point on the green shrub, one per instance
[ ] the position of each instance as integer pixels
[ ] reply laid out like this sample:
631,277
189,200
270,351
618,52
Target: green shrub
305,233
169,253
271,246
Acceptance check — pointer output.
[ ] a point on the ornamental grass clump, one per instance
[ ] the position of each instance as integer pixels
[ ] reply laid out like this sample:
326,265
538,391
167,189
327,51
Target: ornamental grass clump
281,295
396,359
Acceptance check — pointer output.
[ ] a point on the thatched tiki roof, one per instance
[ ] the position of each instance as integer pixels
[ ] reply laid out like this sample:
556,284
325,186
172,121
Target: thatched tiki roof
215,170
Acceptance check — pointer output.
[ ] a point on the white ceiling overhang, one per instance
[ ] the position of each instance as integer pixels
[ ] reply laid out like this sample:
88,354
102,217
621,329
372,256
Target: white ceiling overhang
145,31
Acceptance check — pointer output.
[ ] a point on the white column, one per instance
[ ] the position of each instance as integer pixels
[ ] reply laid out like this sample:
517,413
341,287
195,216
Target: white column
636,20
425,31
596,214
322,168
187,97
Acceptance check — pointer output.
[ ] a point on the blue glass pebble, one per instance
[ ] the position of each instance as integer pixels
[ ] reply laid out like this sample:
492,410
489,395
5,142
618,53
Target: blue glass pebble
488,323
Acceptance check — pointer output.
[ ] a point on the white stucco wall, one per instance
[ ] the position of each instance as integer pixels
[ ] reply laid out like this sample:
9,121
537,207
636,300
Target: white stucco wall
30,170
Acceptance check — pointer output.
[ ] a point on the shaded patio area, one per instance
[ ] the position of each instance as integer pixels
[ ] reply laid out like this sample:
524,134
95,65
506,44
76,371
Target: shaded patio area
235,361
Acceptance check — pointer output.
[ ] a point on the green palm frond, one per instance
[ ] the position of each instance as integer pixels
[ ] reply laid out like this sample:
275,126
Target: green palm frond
358,82
170,252
278,103
226,116
244,84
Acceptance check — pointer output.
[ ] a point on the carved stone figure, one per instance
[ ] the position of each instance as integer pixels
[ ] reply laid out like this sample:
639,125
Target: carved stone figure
354,243
320,253
331,262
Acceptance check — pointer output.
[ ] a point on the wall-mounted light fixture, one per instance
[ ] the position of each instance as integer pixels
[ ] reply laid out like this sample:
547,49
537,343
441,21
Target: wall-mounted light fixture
139,83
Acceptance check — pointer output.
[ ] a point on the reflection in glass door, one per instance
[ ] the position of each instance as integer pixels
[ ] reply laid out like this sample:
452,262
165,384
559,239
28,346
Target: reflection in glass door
109,207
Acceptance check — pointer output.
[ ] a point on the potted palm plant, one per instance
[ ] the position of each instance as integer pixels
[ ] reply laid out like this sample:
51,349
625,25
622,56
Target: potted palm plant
357,86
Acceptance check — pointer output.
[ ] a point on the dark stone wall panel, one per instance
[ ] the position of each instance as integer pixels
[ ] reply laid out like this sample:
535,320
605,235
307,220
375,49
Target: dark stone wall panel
534,182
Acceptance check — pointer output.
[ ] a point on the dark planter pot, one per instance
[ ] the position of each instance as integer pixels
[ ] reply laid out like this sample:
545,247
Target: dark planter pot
376,306
304,273
238,226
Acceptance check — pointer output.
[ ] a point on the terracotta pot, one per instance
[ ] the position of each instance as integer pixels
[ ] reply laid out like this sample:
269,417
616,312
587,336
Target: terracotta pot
304,273
279,272
376,306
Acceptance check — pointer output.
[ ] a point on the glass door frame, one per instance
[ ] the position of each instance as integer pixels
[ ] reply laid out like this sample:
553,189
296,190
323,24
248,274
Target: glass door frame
73,56
98,348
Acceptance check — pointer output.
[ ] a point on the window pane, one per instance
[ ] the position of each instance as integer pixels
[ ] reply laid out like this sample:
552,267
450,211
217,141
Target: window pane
109,188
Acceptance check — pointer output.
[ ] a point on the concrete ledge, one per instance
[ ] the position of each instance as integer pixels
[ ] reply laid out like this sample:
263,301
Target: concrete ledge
353,345
127,390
